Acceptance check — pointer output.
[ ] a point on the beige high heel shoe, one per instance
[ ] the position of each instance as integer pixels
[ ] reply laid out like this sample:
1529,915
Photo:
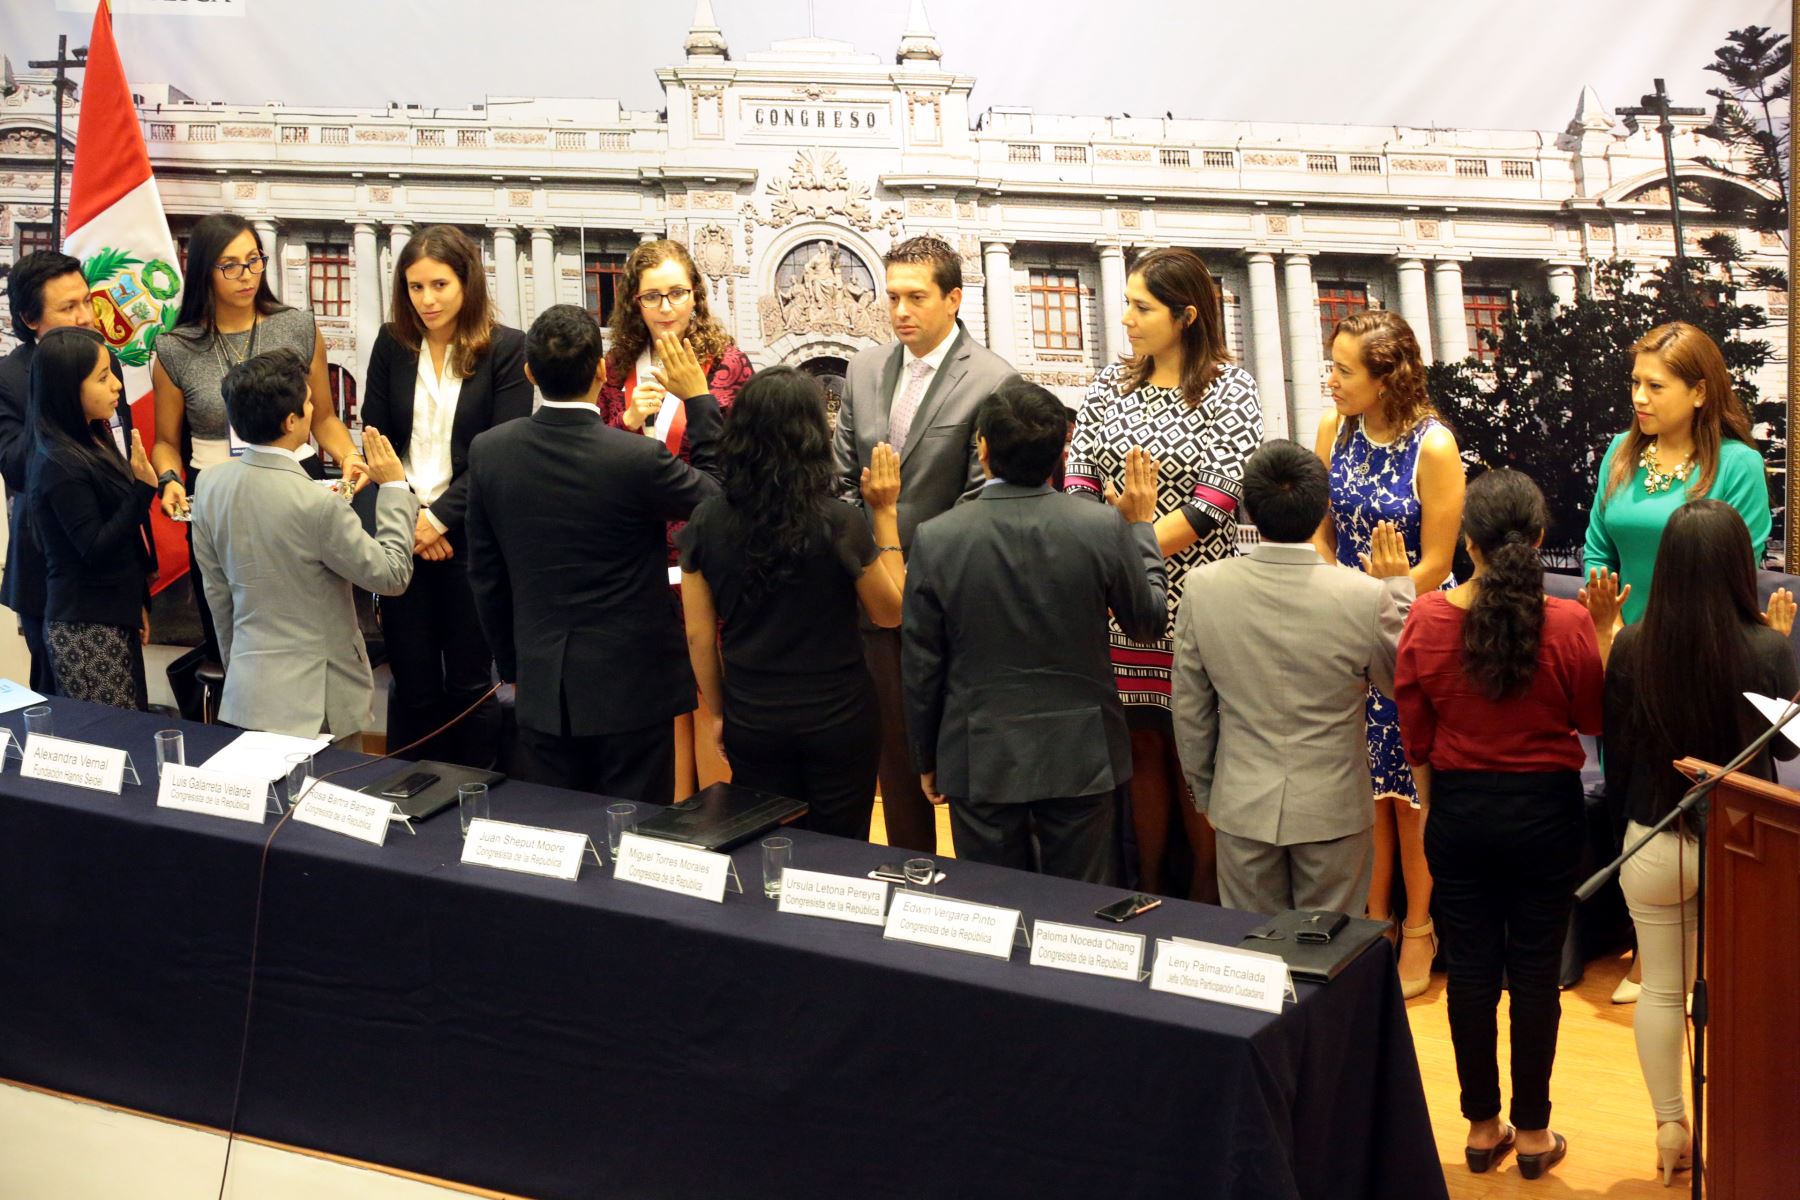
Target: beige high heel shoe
1674,1146
1410,988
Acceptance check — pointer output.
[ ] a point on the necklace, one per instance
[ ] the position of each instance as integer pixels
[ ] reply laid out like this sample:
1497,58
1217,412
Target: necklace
222,348
1655,478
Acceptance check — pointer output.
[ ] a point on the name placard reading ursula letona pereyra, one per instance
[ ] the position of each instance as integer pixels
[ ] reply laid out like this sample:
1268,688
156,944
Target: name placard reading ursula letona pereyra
78,764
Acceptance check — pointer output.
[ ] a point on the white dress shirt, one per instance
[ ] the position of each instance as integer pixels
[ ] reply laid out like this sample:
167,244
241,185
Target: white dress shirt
427,460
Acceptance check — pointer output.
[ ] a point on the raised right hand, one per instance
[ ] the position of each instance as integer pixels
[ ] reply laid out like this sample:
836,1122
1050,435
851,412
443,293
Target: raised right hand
384,464
1138,503
140,462
1603,598
881,478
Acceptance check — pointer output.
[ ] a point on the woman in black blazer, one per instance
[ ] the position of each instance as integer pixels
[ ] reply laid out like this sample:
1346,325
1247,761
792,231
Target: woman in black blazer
89,501
442,371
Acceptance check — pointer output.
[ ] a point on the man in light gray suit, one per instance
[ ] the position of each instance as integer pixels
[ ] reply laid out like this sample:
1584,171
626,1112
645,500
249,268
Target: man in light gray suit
1014,712
920,397
279,554
1274,654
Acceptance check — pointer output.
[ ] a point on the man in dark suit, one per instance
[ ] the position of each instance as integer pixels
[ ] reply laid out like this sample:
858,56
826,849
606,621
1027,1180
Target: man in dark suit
1010,697
919,396
46,291
568,558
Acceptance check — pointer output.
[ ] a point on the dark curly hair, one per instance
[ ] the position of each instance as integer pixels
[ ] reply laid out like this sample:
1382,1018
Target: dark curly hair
629,332
1504,517
1390,351
776,464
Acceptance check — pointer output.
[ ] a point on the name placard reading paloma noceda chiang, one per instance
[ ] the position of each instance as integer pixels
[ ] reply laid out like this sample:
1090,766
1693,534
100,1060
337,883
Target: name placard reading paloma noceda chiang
78,764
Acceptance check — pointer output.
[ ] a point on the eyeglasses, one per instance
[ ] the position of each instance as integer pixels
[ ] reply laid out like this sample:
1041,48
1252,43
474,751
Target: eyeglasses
675,296
235,270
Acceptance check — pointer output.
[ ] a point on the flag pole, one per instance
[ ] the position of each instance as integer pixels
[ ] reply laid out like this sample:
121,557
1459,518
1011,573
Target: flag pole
62,62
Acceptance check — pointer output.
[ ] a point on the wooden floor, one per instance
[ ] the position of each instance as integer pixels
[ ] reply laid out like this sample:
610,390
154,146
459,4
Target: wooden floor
1597,1092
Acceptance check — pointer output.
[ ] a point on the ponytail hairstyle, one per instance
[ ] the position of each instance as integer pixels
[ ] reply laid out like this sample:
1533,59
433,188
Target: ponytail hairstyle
1504,517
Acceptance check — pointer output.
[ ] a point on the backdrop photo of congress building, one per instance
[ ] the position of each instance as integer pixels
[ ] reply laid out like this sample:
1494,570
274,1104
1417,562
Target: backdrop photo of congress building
789,171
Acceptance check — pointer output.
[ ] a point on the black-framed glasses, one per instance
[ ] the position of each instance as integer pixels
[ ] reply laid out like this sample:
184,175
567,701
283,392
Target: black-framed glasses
674,296
235,270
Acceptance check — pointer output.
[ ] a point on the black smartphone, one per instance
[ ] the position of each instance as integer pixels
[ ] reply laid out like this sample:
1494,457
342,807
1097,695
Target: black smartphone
1129,907
409,787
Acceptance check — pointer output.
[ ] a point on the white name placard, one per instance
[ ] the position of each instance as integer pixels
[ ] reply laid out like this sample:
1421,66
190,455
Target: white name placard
672,867
197,790
834,897
553,853
1091,951
341,810
6,745
951,924
58,760
1242,978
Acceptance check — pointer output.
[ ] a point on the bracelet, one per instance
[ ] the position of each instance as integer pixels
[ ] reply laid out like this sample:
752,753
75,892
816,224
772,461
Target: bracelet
888,549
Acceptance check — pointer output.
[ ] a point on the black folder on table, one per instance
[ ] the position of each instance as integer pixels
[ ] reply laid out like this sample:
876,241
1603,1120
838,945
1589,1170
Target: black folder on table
720,817
1316,962
438,796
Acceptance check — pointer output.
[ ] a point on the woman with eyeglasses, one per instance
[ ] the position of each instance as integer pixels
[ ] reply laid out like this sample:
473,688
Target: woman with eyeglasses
228,314
662,300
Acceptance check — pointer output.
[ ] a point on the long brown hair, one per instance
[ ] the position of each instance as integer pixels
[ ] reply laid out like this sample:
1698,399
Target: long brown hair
474,321
629,333
1390,352
1179,279
1694,359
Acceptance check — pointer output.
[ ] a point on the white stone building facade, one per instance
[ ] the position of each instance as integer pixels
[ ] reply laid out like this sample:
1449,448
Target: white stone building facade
788,172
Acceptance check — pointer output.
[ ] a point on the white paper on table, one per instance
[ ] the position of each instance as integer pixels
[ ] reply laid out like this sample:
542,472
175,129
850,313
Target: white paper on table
14,696
1771,710
262,755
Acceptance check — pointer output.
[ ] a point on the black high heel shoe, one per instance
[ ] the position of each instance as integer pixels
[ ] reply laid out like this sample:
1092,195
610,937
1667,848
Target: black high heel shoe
1481,1161
1533,1166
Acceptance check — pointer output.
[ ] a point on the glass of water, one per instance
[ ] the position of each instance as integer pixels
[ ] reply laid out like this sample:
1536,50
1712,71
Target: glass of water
778,854
619,818
170,748
299,770
471,804
40,720
921,874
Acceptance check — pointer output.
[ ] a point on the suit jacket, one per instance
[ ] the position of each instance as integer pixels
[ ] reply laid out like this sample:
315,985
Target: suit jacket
938,464
279,556
89,521
566,529
25,585
1274,654
495,392
1005,654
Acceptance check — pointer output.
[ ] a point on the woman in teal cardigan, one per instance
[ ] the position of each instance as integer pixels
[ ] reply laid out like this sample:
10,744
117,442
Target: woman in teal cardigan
1691,438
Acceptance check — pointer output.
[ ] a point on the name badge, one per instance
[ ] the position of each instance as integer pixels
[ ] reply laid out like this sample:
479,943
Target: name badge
1089,951
117,425
1242,978
951,924
553,853
671,867
197,790
834,897
353,814
78,764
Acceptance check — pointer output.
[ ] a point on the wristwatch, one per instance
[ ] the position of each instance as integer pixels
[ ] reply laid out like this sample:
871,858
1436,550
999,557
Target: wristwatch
165,479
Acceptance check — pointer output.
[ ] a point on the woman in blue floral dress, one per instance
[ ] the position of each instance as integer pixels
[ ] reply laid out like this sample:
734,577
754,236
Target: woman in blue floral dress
1392,462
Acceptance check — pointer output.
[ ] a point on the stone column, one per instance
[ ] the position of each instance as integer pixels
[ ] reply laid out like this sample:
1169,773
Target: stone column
543,268
1450,332
1112,300
506,274
997,290
1265,344
365,262
270,239
1415,305
1561,280
1304,351
399,233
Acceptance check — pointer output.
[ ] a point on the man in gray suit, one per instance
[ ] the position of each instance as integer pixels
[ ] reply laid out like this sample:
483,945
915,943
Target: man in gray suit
279,554
920,397
1274,654
1011,702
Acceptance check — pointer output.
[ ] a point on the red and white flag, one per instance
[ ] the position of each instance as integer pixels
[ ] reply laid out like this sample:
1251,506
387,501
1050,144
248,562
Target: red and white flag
117,229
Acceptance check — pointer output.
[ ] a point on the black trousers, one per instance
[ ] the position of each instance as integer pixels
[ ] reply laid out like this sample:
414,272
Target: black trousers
1072,836
637,764
911,824
1504,849
43,672
441,665
831,769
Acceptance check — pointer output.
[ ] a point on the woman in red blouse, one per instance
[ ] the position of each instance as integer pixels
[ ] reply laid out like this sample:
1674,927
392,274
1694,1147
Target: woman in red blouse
1495,681
663,294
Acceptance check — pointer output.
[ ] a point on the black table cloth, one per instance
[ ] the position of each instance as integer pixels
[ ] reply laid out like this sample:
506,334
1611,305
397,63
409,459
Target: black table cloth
601,1039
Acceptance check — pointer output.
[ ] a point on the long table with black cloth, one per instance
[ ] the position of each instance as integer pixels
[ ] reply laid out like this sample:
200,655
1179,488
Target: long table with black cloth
601,1039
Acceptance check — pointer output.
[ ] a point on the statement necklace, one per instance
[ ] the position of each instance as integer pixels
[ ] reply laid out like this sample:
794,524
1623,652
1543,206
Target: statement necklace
1655,479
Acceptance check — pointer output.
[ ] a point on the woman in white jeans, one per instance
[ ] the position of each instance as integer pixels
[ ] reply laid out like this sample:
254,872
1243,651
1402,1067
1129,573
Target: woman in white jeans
1674,687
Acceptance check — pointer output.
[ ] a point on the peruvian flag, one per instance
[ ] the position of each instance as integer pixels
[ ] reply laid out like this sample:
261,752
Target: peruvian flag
117,229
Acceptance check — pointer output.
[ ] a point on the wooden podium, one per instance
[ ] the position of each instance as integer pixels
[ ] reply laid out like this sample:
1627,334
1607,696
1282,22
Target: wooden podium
1753,984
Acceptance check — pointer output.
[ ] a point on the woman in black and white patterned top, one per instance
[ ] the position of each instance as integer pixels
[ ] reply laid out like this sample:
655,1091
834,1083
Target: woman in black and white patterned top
1174,322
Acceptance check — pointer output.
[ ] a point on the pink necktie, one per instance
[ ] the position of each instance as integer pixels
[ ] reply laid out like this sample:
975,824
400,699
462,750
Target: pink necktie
900,420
